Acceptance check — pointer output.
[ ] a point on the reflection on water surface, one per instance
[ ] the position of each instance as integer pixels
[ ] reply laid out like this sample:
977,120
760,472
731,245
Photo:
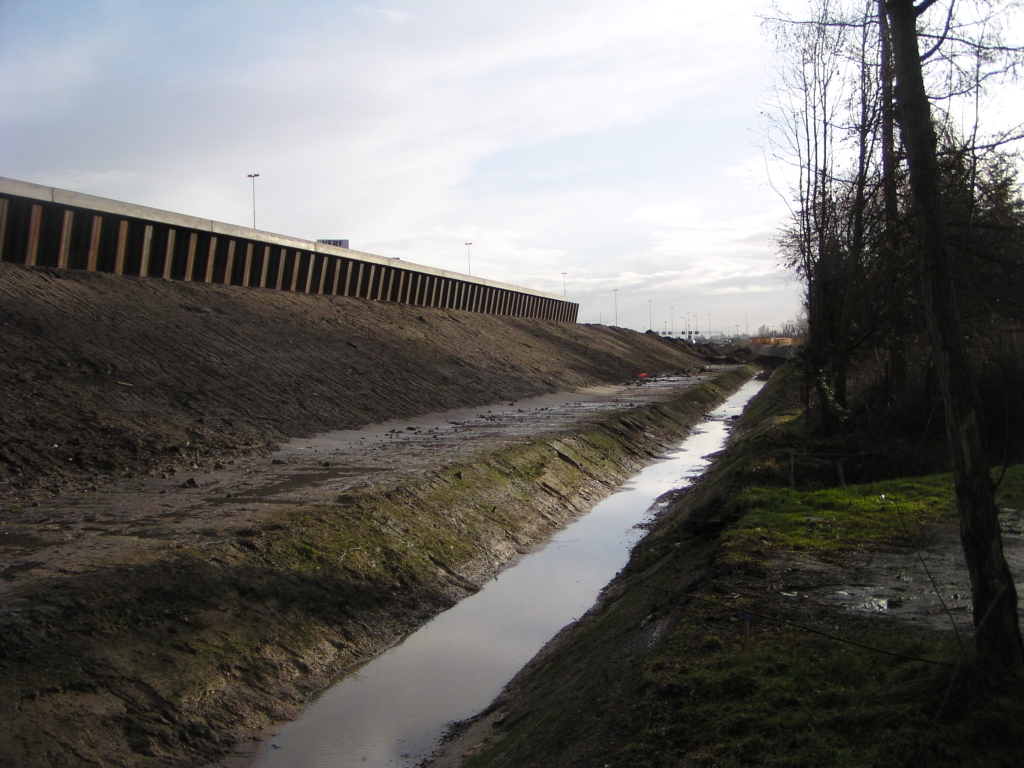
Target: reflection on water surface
392,710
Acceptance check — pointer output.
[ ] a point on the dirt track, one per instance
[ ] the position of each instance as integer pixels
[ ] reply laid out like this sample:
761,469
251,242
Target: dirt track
130,519
108,377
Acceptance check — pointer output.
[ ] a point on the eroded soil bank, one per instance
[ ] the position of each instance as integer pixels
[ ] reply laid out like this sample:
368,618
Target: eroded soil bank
162,603
174,652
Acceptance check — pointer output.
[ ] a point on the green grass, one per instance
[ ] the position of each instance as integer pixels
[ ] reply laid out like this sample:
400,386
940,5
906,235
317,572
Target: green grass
829,522
708,696
785,697
800,700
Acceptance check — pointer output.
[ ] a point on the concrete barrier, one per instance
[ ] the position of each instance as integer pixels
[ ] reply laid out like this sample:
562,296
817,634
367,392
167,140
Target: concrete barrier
48,227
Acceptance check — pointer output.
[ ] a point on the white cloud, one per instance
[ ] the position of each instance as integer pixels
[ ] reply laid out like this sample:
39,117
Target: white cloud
586,136
684,214
383,13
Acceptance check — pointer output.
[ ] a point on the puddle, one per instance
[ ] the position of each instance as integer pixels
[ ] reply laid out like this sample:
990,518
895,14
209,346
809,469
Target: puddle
896,583
392,710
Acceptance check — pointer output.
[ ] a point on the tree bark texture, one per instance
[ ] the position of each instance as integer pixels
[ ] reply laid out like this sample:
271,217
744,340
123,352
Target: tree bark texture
997,631
896,375
993,596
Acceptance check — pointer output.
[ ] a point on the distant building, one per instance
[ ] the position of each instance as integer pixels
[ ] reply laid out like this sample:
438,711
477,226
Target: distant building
335,243
775,341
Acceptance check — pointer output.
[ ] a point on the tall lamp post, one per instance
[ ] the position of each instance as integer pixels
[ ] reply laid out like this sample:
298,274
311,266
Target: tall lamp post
672,317
563,285
253,176
469,262
650,316
615,294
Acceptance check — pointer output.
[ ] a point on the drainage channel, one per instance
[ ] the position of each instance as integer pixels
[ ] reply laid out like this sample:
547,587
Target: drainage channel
392,711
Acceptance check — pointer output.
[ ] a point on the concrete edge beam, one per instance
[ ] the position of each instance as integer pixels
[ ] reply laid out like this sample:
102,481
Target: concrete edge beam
483,295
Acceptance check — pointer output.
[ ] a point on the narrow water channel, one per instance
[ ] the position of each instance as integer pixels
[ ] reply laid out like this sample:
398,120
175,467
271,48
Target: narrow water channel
391,711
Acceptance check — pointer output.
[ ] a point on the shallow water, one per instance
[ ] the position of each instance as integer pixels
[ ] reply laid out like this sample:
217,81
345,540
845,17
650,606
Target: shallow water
392,710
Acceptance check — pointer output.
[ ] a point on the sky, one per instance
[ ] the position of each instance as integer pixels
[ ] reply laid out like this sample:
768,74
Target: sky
611,150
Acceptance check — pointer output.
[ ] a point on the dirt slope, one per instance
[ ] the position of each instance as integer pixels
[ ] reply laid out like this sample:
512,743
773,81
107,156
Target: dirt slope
173,640
107,376
146,621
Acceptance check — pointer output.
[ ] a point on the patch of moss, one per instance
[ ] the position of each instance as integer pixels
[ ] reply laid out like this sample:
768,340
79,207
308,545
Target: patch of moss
830,521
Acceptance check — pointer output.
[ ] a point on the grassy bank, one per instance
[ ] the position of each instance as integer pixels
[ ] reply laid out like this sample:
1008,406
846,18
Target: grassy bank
173,658
718,645
771,690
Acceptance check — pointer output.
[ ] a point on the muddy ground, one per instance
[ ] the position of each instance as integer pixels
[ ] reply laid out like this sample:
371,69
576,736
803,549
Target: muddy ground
127,520
184,563
108,377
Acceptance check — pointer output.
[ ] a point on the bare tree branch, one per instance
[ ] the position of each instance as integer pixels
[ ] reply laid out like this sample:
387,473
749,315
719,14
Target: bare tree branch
942,37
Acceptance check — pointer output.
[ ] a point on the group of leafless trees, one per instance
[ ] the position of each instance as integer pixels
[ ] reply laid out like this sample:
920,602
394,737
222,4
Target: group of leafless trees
905,218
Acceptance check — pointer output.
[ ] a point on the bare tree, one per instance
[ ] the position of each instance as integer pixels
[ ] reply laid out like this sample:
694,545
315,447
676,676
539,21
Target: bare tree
823,123
994,597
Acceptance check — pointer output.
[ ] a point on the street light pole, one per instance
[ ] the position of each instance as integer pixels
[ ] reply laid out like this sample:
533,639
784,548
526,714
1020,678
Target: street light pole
615,293
672,317
253,177
563,285
650,321
469,262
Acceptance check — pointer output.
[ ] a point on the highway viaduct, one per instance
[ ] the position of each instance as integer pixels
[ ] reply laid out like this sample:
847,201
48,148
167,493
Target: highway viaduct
48,227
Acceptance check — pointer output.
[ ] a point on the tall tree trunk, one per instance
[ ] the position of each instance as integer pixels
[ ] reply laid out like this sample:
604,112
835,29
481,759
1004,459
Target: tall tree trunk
994,598
897,365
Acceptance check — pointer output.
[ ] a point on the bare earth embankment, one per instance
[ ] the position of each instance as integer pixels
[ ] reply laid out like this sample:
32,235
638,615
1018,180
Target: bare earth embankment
172,583
134,373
